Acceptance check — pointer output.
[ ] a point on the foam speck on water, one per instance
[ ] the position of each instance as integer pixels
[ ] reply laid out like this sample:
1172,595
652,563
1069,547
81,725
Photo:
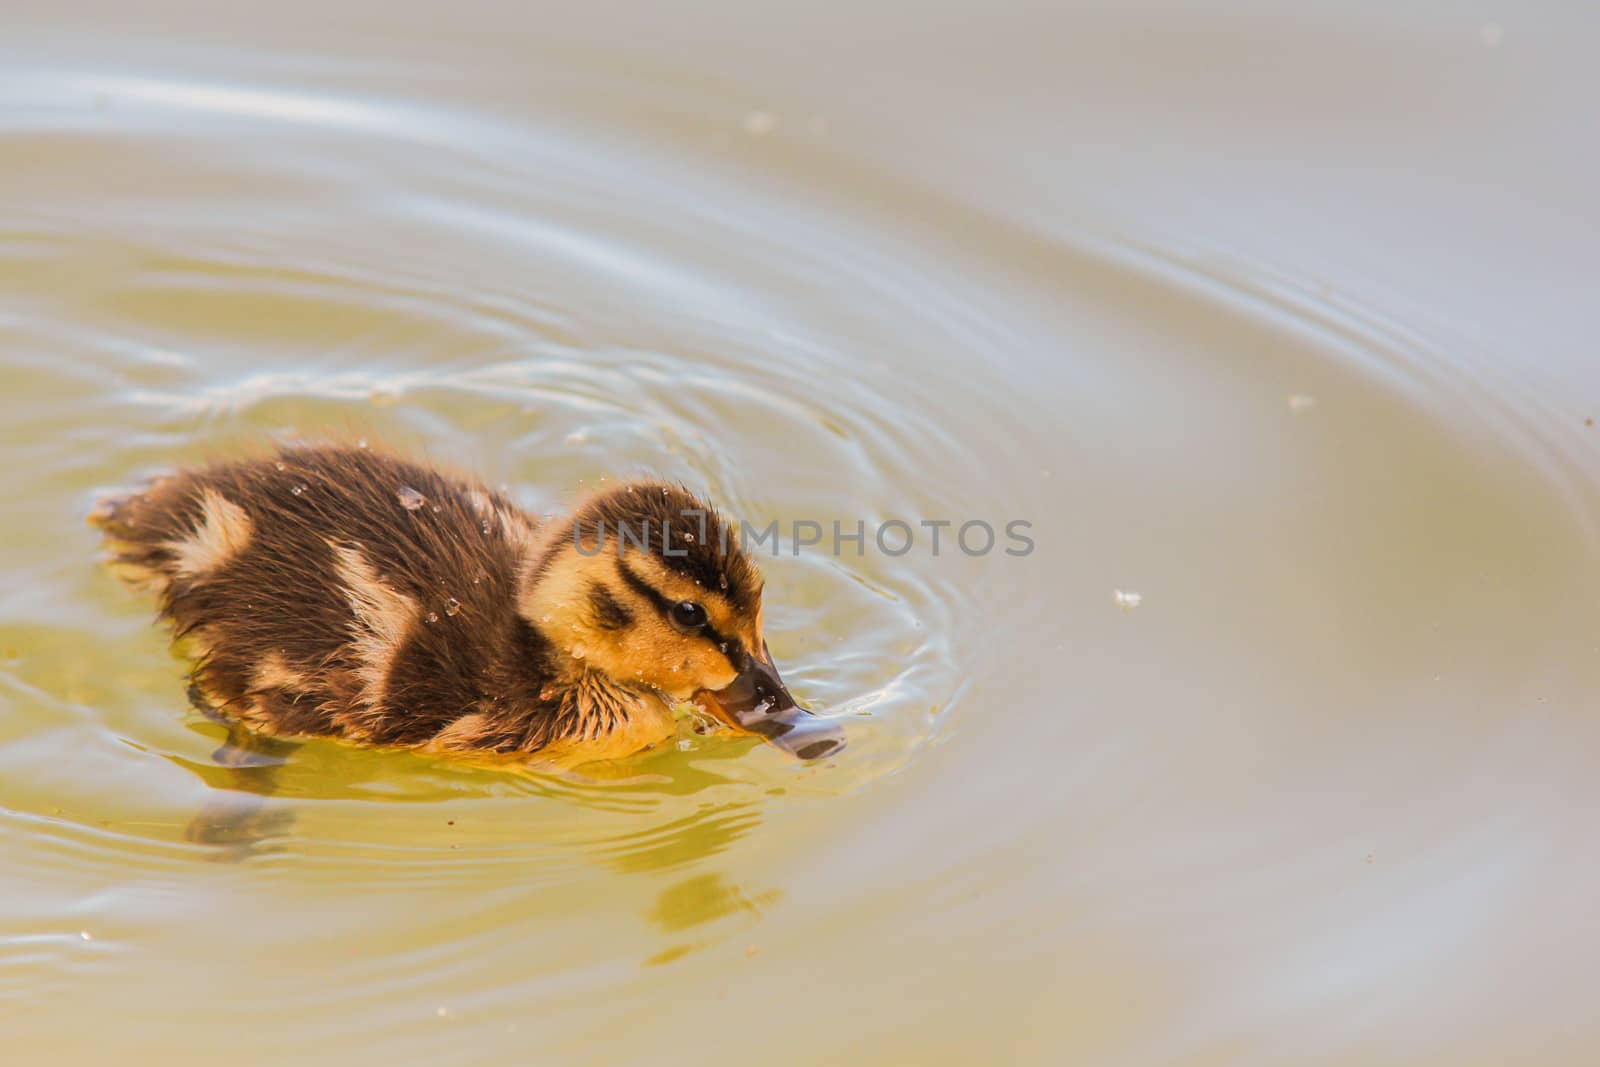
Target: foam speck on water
760,123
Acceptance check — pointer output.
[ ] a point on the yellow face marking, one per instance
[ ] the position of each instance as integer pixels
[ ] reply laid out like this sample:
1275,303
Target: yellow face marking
648,650
223,532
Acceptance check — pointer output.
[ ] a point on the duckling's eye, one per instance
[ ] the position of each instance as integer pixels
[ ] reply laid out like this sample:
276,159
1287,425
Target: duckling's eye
688,616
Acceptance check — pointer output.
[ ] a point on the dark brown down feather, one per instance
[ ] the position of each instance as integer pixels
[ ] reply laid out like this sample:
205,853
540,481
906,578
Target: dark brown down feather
275,634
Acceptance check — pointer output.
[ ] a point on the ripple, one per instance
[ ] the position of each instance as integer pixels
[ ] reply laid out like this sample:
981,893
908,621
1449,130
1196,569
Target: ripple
1323,584
195,338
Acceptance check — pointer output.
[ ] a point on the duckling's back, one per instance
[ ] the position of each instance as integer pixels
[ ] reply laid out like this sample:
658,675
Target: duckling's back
337,590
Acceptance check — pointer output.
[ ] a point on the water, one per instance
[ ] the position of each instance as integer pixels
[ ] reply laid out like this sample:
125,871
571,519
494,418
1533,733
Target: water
1277,747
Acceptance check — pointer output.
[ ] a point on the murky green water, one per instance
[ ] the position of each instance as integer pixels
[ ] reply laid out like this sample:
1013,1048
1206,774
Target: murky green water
1278,748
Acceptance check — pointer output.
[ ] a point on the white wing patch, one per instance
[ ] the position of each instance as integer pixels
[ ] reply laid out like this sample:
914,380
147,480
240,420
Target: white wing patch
223,532
383,617
274,672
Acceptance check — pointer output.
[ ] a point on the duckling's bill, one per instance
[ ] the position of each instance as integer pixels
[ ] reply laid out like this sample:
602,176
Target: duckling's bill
757,702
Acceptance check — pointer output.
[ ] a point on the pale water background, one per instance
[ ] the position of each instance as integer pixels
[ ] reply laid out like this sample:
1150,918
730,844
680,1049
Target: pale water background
1279,316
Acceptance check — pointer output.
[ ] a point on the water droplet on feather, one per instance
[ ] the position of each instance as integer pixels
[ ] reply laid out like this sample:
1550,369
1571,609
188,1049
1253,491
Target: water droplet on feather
410,499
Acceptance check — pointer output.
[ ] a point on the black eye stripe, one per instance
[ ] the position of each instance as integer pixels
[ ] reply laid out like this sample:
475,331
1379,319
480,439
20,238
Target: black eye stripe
608,612
644,588
730,649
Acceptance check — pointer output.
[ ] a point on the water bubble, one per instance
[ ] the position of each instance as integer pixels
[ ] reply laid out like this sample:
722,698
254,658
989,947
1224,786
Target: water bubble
452,607
689,538
410,499
433,616
297,490
280,466
578,652
362,443
1129,601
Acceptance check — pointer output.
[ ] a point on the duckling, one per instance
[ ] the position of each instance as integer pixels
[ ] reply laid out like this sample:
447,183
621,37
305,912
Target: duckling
343,591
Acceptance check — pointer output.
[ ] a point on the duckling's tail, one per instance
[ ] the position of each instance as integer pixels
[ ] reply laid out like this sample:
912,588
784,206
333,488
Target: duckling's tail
136,544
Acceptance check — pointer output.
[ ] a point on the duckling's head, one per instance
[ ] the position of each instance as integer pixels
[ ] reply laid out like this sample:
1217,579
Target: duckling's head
650,587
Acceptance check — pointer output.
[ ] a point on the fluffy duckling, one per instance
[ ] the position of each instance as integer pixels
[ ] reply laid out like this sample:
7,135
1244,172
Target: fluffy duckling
337,590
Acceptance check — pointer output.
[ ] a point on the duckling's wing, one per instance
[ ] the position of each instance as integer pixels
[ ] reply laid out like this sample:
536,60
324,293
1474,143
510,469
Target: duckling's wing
335,590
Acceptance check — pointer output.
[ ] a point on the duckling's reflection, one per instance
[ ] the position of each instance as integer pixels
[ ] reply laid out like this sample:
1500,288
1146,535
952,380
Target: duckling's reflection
708,831
656,823
694,837
707,897
243,774
699,900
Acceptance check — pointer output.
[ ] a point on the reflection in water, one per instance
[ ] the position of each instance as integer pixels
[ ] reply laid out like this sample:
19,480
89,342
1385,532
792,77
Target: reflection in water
236,815
697,901
708,832
1367,625
704,898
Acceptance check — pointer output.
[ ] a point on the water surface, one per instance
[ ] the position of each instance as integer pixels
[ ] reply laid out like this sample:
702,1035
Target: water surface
1275,749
